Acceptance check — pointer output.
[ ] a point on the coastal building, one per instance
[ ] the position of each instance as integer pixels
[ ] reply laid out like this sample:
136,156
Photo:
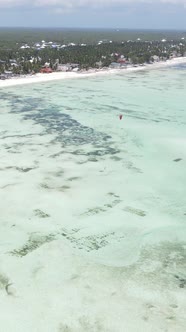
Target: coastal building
75,69
74,65
12,61
115,65
47,64
8,73
46,70
3,77
99,64
67,67
155,58
25,46
121,61
63,67
174,54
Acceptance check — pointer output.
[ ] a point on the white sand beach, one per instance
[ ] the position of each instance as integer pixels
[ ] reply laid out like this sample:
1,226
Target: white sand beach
39,78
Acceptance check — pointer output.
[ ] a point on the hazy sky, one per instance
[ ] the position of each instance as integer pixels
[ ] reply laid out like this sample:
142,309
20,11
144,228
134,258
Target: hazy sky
154,14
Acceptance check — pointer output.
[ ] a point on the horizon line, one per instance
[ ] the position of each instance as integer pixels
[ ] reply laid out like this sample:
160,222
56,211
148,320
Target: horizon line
95,28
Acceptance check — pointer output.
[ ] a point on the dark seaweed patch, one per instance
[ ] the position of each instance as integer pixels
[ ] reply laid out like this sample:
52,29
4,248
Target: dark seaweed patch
32,244
41,214
132,210
178,159
66,130
181,280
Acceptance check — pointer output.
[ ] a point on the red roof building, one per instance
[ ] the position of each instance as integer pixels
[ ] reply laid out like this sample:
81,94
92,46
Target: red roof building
46,70
121,61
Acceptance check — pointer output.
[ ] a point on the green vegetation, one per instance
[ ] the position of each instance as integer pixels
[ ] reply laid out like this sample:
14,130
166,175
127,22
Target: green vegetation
83,47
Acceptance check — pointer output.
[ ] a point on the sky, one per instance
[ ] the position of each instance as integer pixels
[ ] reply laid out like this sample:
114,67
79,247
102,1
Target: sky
130,14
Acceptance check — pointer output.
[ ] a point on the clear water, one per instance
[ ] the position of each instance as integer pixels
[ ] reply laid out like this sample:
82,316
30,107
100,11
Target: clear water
114,190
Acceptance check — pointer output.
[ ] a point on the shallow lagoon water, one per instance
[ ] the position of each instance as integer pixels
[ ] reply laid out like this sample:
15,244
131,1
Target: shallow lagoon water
94,205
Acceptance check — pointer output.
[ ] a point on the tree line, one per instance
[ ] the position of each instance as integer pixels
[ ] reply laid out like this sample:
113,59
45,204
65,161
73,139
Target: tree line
87,56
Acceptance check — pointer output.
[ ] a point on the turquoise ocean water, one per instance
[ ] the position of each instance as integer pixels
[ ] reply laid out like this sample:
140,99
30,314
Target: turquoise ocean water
114,190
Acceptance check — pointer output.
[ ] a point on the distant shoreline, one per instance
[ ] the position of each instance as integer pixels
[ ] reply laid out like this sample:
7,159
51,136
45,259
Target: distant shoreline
41,78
